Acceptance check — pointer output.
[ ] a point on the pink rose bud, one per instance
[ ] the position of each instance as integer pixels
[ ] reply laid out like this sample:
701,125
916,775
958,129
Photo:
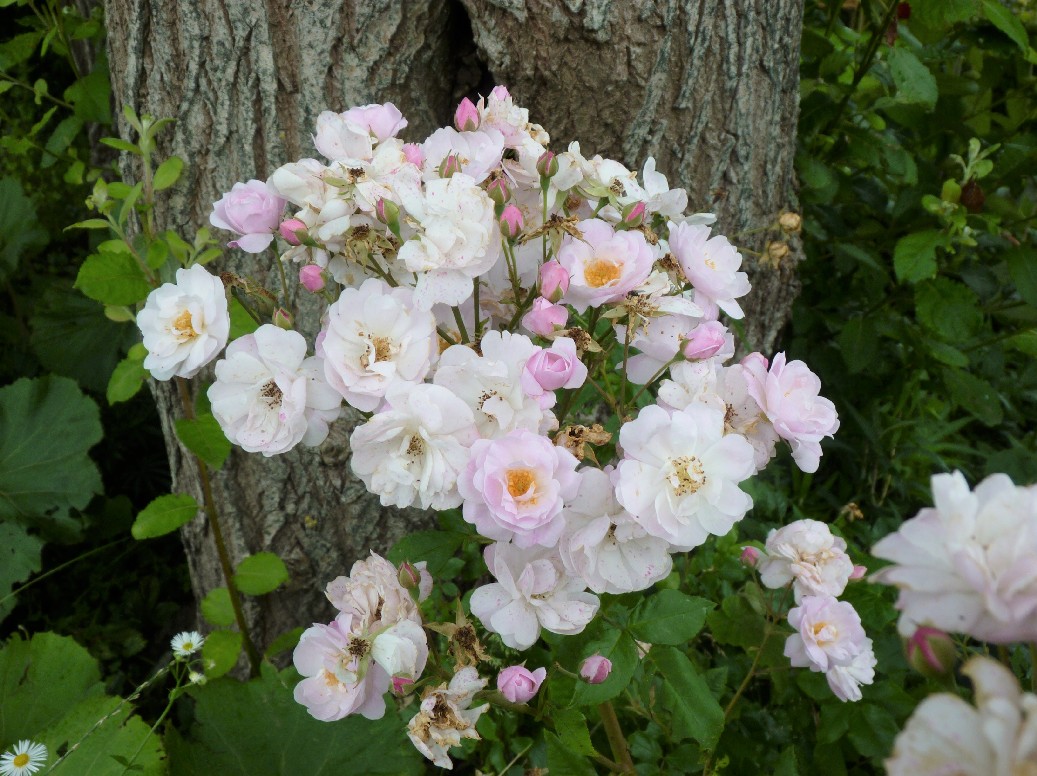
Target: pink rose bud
401,685
931,652
556,367
290,229
388,212
518,684
282,319
449,166
858,573
554,280
596,669
633,215
545,317
705,340
498,191
312,278
547,164
511,222
409,576
750,556
500,92
466,117
413,153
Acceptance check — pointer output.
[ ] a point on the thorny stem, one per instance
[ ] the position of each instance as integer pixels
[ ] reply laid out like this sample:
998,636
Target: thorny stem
617,741
217,534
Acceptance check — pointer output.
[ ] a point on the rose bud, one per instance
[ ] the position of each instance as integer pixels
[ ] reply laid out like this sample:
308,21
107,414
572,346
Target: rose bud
547,164
554,280
466,117
518,684
633,215
449,166
498,191
596,669
290,229
705,341
545,317
750,556
312,278
511,222
931,652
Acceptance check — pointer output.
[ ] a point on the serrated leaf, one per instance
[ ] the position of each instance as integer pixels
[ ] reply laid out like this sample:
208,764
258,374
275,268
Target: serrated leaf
18,49
164,515
914,257
975,395
695,712
204,437
157,254
91,96
127,379
562,761
1022,266
948,308
19,558
915,83
61,138
669,617
260,574
216,607
20,232
47,426
571,727
220,652
1006,21
168,173
113,278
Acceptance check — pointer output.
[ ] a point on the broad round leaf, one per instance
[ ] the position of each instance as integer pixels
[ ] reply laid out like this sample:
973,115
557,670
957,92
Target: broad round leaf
164,515
260,573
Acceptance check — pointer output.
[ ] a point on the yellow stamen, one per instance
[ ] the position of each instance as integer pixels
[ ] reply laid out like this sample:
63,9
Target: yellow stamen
601,272
21,760
520,482
183,326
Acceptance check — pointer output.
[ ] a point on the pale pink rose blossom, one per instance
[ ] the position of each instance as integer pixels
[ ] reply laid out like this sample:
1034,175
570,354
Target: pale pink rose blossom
184,324
658,340
372,593
711,265
514,488
845,680
518,684
679,474
532,591
445,718
550,369
705,340
413,449
252,210
789,395
414,154
477,152
268,396
806,554
997,736
604,546
663,200
544,317
967,565
380,121
605,265
828,632
339,139
595,669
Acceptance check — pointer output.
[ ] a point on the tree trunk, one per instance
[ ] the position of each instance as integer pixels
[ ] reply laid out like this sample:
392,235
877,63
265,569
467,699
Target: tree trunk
709,88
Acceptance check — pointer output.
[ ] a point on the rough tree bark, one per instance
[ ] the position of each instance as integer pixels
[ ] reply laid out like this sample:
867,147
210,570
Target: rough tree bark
708,87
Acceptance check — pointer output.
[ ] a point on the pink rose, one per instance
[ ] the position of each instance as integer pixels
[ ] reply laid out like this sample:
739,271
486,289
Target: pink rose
552,368
514,487
252,210
705,340
518,684
789,395
545,317
605,265
382,121
554,280
596,669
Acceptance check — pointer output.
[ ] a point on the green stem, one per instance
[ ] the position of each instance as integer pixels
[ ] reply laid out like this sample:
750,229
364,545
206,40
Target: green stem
221,548
617,741
459,320
64,565
24,85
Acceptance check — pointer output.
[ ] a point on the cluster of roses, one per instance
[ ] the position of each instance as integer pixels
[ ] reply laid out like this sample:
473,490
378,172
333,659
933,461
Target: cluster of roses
828,635
966,566
480,282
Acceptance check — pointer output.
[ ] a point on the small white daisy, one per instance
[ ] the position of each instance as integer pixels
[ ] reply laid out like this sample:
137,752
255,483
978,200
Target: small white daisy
196,677
187,643
25,758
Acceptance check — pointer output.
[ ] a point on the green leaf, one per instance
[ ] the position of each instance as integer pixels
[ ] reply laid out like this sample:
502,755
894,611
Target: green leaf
437,548
975,395
47,426
1022,266
915,84
939,14
164,515
19,558
20,232
204,437
127,379
948,308
18,49
669,617
216,607
90,223
858,343
696,714
220,652
90,97
872,730
257,728
61,138
286,641
571,727
168,172
914,257
563,761
157,254
113,278
737,623
72,336
1006,21
121,145
1024,342
260,574
241,323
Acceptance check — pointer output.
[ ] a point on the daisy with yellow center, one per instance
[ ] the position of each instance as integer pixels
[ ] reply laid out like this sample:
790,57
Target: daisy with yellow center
26,757
186,644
